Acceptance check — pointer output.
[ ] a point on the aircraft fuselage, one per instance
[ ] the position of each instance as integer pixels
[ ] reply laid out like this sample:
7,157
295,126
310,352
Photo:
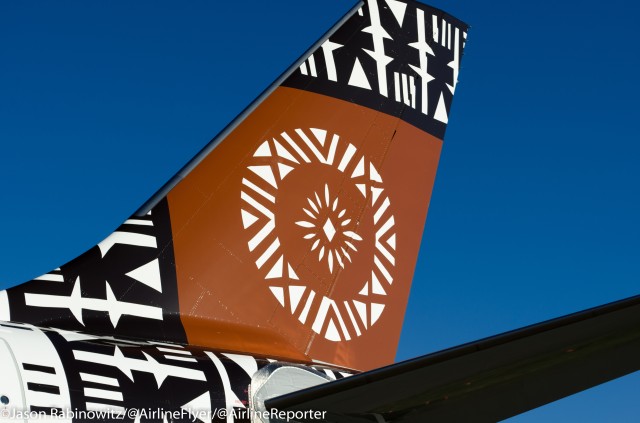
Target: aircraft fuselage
71,376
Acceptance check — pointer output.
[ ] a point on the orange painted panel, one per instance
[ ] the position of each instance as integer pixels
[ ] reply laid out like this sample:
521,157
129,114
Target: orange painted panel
297,236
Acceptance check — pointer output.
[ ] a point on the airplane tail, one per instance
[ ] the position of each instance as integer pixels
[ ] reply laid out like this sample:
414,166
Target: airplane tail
294,234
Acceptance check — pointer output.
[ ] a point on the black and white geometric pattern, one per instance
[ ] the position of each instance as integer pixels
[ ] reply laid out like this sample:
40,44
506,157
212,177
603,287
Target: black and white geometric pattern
413,74
64,370
126,286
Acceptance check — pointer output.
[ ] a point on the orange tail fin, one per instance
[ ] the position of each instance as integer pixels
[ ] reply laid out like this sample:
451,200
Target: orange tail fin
295,233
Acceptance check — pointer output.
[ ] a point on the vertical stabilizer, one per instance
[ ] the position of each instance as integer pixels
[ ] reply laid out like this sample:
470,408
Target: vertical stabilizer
296,233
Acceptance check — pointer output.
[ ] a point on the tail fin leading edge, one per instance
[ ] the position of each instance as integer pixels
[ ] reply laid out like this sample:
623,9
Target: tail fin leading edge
297,235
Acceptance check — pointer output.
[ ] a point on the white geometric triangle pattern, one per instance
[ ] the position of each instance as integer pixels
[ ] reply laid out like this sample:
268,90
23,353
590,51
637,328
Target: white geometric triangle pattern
359,77
149,274
441,111
248,219
398,8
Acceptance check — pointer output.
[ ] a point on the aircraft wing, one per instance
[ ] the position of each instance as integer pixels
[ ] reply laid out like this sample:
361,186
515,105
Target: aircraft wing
490,379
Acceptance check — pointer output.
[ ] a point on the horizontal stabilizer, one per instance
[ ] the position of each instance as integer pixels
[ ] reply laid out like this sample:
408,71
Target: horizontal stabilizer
491,379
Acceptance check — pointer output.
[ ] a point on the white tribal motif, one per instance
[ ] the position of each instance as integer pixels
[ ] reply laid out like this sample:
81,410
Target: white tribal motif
330,230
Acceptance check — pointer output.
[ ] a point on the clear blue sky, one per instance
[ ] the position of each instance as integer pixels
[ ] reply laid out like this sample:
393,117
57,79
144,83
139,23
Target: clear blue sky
536,204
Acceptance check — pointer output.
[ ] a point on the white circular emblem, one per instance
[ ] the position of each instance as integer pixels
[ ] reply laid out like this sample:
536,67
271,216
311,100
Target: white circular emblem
313,205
